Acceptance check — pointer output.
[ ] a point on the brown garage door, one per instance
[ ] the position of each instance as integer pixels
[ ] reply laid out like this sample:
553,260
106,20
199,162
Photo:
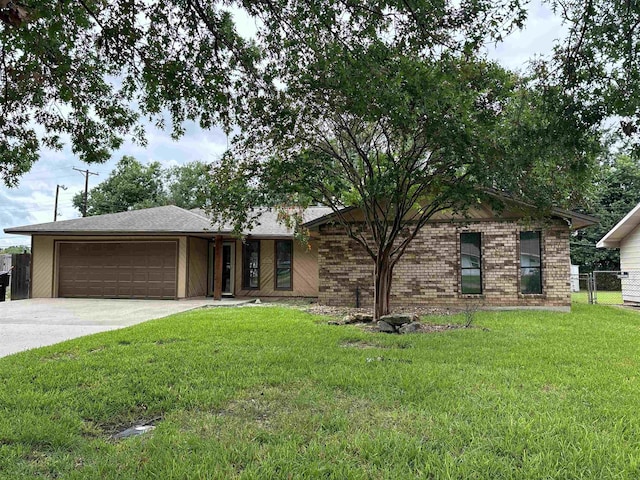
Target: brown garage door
117,269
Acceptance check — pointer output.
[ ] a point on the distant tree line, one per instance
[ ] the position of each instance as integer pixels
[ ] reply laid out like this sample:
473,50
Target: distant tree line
133,185
15,249
617,192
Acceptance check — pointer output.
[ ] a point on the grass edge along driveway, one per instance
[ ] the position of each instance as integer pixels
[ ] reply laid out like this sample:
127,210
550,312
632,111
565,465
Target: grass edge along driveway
276,393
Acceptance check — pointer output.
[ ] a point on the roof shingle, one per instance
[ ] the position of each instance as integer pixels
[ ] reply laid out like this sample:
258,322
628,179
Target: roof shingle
158,220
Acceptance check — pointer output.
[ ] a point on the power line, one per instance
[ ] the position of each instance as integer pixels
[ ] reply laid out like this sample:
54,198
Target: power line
28,211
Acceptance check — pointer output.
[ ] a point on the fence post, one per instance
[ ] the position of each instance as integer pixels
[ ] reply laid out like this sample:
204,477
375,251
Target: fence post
592,288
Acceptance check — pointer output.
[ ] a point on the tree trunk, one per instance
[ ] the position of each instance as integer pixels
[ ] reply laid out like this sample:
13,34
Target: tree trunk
382,287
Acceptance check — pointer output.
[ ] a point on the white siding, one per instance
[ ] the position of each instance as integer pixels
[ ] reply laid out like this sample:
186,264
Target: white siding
630,251
630,262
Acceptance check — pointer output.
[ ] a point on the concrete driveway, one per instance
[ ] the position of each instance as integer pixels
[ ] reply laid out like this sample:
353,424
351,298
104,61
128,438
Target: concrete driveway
26,324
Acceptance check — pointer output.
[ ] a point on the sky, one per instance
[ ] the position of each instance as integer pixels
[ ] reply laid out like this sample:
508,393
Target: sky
33,200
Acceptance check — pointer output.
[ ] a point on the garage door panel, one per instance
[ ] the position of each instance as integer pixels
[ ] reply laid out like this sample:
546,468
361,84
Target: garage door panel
139,276
109,274
156,276
117,269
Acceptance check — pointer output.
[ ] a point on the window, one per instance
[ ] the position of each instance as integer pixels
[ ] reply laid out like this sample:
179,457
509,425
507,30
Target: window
470,263
284,254
251,265
530,263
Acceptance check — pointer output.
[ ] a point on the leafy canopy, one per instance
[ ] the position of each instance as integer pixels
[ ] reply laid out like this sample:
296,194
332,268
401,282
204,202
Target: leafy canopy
86,73
385,115
598,63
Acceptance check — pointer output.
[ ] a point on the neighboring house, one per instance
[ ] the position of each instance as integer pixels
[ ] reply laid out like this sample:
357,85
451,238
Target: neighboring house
626,236
169,252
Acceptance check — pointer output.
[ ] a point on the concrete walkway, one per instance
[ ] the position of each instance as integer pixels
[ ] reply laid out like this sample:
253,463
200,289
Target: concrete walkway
26,324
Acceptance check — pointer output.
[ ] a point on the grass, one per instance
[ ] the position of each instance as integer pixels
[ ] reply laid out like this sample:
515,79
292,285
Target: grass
276,393
603,297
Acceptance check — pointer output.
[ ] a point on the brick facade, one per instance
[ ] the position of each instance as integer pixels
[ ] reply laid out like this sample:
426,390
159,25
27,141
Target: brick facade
429,271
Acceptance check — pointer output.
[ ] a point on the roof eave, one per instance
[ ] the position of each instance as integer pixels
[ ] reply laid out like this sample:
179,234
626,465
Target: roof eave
103,233
614,236
608,244
325,218
583,220
155,233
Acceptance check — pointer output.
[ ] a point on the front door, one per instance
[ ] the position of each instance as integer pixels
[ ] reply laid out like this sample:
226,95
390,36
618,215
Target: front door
228,268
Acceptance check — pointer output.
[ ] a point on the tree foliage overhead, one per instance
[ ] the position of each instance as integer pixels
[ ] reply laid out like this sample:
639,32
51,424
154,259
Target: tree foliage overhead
85,71
598,63
133,185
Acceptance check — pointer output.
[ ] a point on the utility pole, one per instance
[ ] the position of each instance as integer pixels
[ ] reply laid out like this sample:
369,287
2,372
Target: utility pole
55,209
86,174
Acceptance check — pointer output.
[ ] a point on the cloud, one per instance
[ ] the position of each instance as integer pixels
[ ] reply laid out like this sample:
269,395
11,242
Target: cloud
538,37
33,200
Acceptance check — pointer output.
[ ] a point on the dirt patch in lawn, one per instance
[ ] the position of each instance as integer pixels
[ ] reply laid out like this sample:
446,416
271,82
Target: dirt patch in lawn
341,312
424,327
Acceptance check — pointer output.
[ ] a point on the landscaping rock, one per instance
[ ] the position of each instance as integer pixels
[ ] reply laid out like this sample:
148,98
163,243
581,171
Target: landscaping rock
357,318
349,319
399,318
364,317
332,322
386,327
409,327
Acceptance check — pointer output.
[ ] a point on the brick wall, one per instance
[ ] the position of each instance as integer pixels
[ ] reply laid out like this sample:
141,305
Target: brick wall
429,272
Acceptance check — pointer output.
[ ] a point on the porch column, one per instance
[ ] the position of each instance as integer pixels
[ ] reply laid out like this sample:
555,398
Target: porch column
217,275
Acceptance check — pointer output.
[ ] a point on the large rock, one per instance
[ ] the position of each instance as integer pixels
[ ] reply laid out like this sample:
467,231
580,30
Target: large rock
398,318
409,327
358,318
385,327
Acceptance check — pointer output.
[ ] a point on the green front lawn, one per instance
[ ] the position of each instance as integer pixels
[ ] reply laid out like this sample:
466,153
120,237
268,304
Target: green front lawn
276,393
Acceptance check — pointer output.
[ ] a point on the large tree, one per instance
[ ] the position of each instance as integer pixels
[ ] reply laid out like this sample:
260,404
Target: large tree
132,185
400,120
379,97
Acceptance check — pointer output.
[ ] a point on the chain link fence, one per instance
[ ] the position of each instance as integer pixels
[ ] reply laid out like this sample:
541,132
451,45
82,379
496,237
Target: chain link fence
582,288
606,287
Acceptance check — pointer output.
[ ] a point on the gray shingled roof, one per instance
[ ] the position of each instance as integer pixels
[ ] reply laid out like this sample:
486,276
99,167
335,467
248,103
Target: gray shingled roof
269,226
159,220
